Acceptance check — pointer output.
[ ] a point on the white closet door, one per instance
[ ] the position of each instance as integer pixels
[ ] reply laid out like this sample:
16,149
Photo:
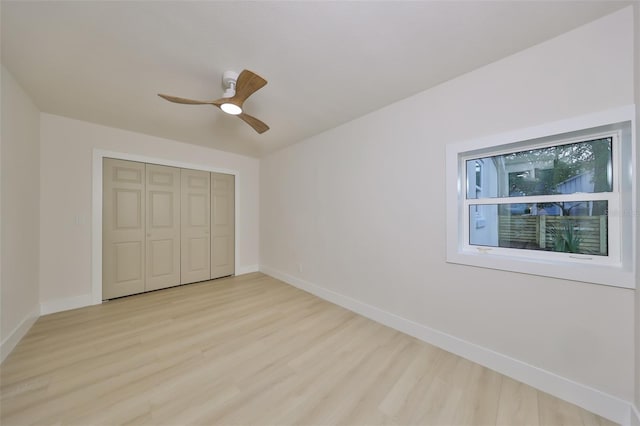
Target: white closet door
222,225
163,226
195,219
123,223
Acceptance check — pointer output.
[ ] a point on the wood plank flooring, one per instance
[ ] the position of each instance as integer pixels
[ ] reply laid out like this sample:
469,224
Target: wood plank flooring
251,350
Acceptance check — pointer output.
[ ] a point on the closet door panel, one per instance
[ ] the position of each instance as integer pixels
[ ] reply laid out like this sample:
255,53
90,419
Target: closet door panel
222,225
163,226
195,254
123,228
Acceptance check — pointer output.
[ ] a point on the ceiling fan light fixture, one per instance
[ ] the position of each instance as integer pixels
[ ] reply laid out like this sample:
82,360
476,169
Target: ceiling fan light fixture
230,108
237,88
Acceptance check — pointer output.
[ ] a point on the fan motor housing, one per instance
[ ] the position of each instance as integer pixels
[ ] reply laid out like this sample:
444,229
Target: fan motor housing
228,78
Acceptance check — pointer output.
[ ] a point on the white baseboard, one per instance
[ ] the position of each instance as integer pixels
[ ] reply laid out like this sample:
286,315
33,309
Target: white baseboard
635,416
603,404
247,269
10,342
65,304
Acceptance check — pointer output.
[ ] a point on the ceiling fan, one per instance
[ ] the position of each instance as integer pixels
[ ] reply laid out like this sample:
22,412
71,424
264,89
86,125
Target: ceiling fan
238,87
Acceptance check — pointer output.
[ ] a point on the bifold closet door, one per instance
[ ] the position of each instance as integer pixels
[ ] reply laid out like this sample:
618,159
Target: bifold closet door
162,226
195,264
222,225
123,228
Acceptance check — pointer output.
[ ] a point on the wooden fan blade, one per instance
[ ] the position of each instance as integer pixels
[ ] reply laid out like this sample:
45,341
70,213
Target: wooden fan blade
187,101
248,82
257,125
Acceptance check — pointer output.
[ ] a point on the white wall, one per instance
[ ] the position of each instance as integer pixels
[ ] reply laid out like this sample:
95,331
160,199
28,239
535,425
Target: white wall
66,200
20,223
359,211
637,213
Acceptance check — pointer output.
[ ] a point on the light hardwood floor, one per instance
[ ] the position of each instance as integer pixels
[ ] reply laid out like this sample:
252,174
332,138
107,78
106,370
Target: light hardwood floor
251,350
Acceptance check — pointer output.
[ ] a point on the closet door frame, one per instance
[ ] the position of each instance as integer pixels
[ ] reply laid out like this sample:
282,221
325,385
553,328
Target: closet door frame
96,207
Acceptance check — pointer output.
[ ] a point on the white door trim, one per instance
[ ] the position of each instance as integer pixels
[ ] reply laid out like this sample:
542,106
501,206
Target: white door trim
96,207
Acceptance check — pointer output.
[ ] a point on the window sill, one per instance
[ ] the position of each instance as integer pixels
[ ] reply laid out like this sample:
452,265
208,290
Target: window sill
610,275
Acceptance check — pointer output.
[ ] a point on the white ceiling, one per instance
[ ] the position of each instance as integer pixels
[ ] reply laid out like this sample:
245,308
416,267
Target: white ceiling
326,62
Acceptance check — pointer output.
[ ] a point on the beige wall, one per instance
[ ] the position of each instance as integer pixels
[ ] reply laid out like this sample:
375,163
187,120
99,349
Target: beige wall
20,191
66,197
359,211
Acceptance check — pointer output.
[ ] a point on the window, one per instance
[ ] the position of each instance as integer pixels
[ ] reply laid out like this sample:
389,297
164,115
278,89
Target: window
558,195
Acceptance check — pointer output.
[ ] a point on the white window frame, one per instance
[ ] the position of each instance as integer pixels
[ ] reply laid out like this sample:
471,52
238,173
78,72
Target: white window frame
612,198
618,267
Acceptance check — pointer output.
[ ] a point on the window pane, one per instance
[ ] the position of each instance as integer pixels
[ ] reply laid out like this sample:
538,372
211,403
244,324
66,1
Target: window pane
568,227
583,167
